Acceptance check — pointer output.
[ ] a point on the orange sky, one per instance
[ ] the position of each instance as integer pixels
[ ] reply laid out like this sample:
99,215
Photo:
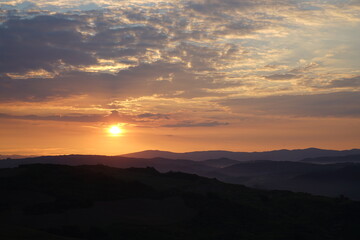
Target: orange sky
178,75
49,137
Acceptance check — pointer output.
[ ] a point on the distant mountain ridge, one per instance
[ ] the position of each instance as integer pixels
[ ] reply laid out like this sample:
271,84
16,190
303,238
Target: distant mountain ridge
161,164
337,159
263,174
277,155
15,156
219,162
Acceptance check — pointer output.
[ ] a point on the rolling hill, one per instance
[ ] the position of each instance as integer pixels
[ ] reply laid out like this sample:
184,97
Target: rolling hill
262,174
104,203
337,159
278,155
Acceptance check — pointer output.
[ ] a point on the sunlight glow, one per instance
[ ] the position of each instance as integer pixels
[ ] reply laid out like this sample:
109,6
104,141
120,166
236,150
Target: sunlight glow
115,130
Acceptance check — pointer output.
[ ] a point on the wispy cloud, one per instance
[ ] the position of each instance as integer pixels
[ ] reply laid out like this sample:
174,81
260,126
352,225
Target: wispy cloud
195,124
340,104
199,54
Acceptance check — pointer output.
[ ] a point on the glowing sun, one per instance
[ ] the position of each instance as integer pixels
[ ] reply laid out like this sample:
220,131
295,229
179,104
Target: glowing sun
115,130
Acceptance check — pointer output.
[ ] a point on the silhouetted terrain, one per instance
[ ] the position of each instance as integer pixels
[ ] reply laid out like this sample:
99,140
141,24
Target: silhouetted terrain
13,156
338,159
220,162
278,155
328,180
262,174
161,164
344,180
99,202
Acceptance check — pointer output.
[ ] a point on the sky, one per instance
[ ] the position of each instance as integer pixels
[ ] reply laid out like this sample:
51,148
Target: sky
178,75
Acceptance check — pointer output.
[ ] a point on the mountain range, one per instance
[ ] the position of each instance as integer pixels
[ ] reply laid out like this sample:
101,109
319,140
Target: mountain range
311,175
277,155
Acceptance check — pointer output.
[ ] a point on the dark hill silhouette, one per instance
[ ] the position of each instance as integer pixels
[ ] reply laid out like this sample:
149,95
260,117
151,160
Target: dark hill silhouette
9,232
338,181
161,164
337,159
220,162
260,167
14,156
263,174
99,202
278,155
295,176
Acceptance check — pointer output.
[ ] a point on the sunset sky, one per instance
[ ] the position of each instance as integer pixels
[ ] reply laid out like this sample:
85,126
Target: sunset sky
240,75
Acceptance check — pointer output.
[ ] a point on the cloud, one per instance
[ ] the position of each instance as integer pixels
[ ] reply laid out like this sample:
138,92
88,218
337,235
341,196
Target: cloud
113,117
219,6
353,82
340,104
285,76
43,42
60,118
141,80
202,49
154,116
196,124
60,41
73,51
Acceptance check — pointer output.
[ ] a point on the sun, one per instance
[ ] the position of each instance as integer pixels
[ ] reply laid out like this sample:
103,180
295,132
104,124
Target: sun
115,130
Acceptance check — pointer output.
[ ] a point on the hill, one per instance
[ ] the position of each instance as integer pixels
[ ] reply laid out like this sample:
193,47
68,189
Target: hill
13,156
262,174
337,159
344,180
100,202
322,179
219,162
160,164
278,155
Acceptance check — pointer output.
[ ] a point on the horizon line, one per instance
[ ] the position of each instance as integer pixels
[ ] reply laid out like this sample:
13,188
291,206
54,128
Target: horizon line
149,150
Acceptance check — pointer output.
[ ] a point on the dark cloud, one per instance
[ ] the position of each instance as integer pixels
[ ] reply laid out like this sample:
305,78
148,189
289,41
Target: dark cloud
142,80
42,42
245,27
113,117
346,82
216,6
65,43
305,68
285,76
154,116
129,40
51,42
196,124
61,118
41,89
117,117
219,6
132,82
203,57
341,104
